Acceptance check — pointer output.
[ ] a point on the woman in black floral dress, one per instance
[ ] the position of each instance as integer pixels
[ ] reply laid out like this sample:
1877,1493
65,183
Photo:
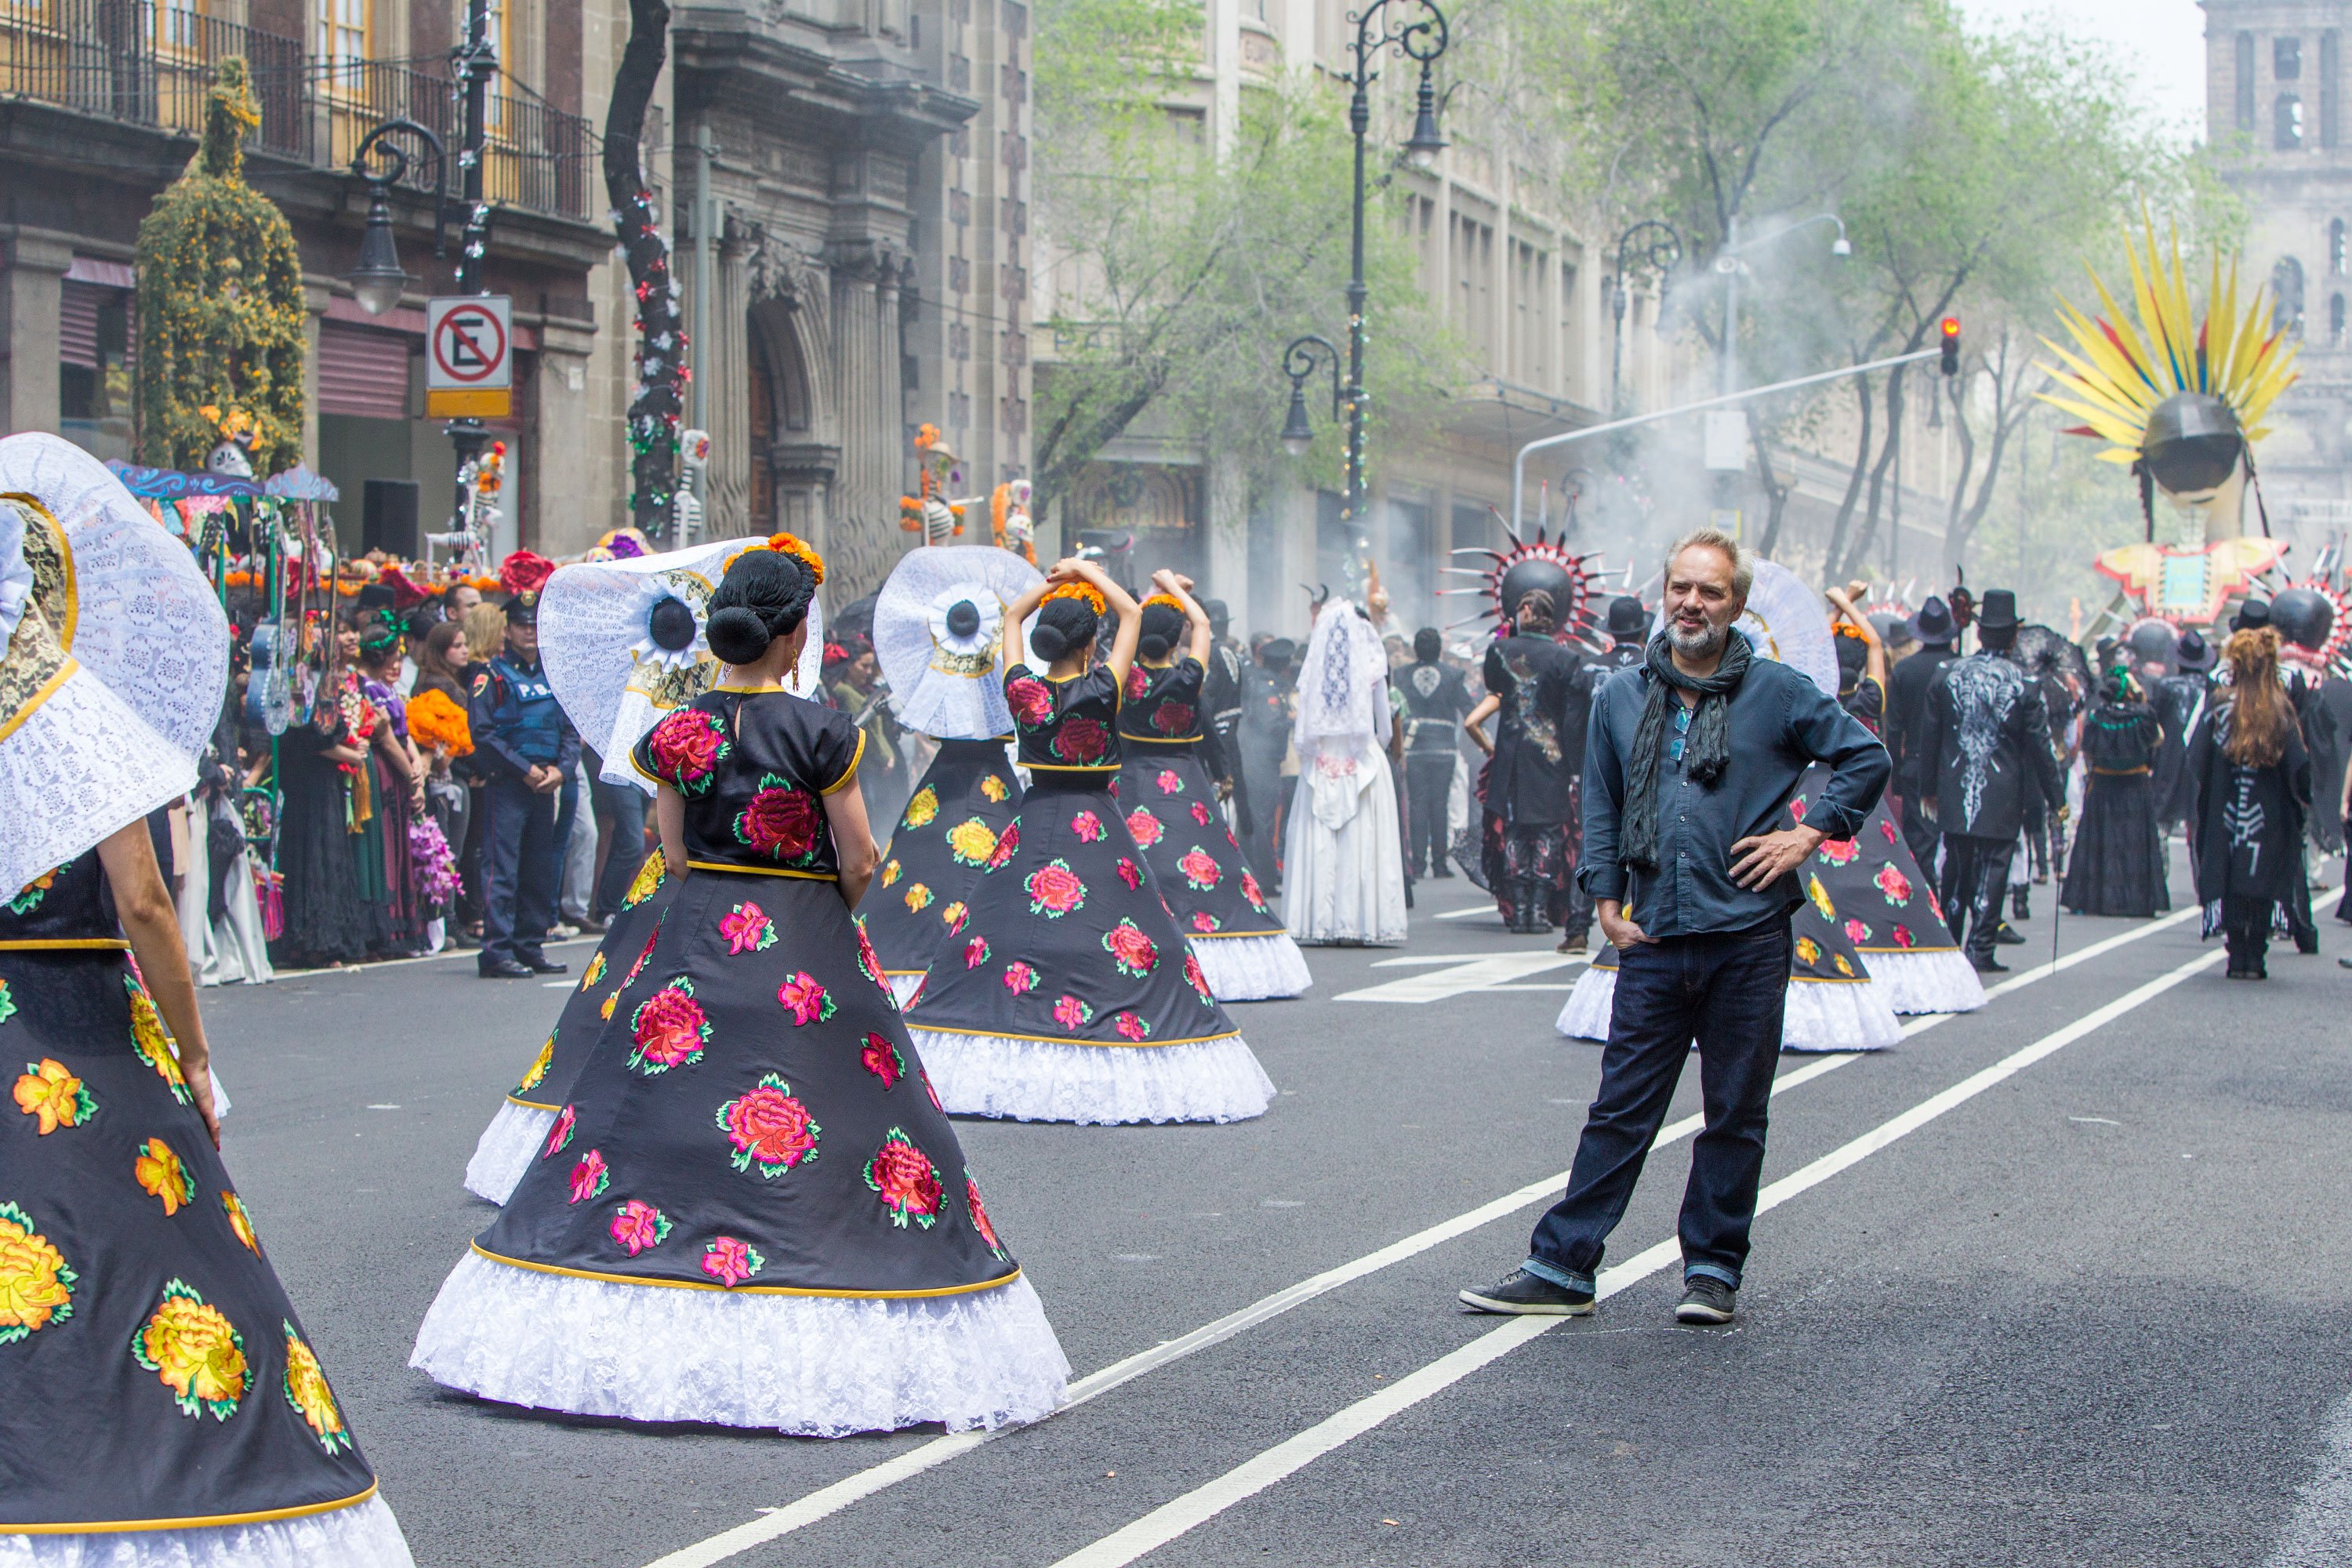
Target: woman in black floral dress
1072,995
1167,786
750,1210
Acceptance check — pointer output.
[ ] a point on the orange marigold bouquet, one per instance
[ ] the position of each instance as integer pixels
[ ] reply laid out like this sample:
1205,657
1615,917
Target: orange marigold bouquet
434,721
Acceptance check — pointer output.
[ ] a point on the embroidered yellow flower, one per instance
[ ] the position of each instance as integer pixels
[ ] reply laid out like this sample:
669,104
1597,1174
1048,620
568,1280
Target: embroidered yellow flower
596,971
1843,966
150,1040
36,1285
49,1092
535,1074
1821,897
1808,952
917,896
890,873
993,787
307,1392
649,877
923,807
240,1220
607,1008
195,1351
973,840
162,1175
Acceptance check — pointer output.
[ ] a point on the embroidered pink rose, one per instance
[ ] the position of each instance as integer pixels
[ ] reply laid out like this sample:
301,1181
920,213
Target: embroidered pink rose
869,960
1055,889
1855,931
1903,937
808,1001
667,1030
637,1225
1088,827
589,1177
768,1128
979,1215
1132,949
560,1136
1173,719
1840,851
1935,904
1019,978
1199,870
1128,874
1030,701
1194,978
1137,683
1887,825
881,1058
686,748
1072,1013
1797,807
905,1179
975,953
1131,1027
732,1261
1171,781
1007,844
1144,826
1201,812
781,822
1203,921
1249,890
1082,740
747,929
1894,885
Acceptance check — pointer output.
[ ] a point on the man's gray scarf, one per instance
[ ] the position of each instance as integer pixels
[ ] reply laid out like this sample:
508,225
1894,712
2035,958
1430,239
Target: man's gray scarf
1707,750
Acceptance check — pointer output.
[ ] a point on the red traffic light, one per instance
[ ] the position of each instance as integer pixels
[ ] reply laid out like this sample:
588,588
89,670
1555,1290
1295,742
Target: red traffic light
1949,361
1951,326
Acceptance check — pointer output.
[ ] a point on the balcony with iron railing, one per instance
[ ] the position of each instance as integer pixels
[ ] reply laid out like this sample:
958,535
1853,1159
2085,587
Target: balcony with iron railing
150,63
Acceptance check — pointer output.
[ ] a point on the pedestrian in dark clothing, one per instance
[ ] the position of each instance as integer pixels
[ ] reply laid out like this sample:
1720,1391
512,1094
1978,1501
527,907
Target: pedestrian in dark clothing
1689,766
1907,712
620,811
1261,737
1222,696
2253,782
1984,744
1435,697
526,748
2179,700
1535,757
2116,865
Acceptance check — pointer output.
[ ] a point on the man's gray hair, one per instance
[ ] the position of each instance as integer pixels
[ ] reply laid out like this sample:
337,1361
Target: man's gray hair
1743,560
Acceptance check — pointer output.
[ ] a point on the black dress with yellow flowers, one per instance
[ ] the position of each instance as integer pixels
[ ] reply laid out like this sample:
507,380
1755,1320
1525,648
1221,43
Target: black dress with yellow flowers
944,836
509,1143
157,1378
1169,796
1072,995
749,1210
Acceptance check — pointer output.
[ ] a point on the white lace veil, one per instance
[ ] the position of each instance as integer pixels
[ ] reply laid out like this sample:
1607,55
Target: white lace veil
1341,695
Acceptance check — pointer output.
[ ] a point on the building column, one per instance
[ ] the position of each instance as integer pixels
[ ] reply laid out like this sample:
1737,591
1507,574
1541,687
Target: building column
33,264
727,402
316,292
569,513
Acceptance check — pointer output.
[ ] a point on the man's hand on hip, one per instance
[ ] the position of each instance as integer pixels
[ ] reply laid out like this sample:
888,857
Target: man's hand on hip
1620,932
1761,860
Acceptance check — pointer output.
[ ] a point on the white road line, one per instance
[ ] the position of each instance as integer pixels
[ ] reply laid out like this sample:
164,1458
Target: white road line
1473,911
1476,975
1173,1519
831,1499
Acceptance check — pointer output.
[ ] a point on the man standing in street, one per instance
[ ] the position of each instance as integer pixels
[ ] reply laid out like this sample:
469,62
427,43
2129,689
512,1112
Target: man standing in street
1984,744
1689,766
1435,699
1222,696
526,748
1906,706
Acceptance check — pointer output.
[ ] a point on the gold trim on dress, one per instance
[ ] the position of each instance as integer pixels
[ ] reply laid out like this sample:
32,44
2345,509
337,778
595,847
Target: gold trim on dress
748,1289
762,870
1158,739
531,1104
47,689
850,772
44,943
1229,935
1071,767
198,1521
916,1023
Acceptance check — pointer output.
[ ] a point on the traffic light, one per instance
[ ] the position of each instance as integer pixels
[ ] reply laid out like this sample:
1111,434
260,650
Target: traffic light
1950,363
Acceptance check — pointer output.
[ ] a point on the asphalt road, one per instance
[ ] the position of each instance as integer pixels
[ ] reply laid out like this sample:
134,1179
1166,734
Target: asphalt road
2086,1308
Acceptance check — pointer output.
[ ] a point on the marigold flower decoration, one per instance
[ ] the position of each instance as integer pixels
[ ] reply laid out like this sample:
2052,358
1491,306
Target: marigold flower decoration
800,550
1168,599
1088,592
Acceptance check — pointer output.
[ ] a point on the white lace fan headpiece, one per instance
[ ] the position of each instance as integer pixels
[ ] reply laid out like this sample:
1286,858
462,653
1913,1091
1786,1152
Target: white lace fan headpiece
1341,694
1785,622
625,641
939,634
117,659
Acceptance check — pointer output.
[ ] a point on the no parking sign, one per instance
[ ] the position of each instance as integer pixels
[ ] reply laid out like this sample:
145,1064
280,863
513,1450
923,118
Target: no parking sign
468,358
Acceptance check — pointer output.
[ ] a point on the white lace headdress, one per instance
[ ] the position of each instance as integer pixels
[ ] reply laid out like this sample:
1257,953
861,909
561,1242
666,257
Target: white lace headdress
1342,691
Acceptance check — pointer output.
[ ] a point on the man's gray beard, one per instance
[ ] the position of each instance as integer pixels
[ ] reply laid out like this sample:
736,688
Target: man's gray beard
1701,644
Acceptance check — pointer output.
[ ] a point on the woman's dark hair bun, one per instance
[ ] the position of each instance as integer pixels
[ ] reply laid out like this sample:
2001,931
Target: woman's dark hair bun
1063,626
1163,626
764,595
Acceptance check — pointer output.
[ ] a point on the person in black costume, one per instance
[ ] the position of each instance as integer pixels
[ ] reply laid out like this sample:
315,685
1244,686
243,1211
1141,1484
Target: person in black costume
2252,783
1529,801
1435,697
2116,865
1261,735
325,922
1222,693
2179,698
1907,710
1985,743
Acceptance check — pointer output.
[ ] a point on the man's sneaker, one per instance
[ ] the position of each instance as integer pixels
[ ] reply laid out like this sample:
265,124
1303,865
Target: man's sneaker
1527,1294
1705,1299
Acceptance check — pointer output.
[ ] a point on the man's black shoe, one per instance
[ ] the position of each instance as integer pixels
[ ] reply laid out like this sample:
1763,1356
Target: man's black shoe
543,965
2005,937
505,969
1529,1295
1705,1299
1987,965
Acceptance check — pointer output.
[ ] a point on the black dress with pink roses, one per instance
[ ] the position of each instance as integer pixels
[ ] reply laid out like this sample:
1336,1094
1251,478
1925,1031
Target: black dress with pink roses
945,836
752,1118
1169,797
1069,944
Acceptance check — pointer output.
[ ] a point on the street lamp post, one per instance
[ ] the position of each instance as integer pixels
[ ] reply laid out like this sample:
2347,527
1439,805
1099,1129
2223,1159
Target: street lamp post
1420,36
1729,265
1660,251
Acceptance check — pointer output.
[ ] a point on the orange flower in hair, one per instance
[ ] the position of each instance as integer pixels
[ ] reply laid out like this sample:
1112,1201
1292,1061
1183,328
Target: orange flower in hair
1079,589
801,551
1168,599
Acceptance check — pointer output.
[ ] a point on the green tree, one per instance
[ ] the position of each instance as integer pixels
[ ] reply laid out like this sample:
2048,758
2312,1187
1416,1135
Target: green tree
220,316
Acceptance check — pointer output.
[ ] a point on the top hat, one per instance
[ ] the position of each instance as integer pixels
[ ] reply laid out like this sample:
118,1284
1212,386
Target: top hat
1627,618
1933,624
2193,652
1216,611
2253,615
1997,611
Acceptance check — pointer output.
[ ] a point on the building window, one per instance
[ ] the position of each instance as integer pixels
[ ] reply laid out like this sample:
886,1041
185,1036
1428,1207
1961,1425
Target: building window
2335,321
2286,296
2286,59
2287,124
2336,258
2244,83
2331,97
343,30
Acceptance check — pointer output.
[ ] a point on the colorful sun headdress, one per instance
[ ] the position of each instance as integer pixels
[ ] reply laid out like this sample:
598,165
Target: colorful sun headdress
1508,575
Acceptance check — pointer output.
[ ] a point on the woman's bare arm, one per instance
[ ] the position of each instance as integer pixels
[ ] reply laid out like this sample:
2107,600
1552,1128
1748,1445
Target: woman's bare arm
853,842
152,921
669,821
1472,722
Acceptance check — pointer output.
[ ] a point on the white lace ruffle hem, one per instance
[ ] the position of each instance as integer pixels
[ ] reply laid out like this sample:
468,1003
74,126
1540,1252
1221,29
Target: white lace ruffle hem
815,1366
903,986
1252,968
506,1149
363,1535
1049,1080
1942,981
1818,1015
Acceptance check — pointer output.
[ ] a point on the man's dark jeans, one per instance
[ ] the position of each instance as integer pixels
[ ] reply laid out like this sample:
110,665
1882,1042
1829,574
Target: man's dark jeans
523,866
1429,780
1726,990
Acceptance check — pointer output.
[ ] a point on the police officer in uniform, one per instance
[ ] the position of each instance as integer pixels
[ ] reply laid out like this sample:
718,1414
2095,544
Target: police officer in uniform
525,748
1435,699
